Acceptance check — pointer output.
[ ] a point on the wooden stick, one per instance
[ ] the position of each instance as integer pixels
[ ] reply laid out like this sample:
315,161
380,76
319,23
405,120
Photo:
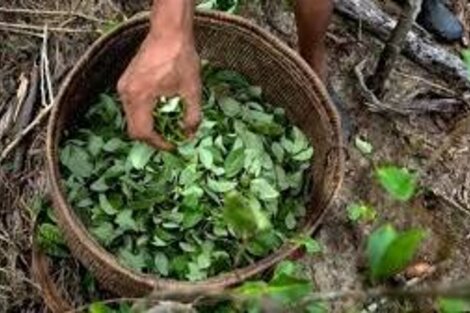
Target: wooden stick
25,115
14,26
50,12
37,120
392,50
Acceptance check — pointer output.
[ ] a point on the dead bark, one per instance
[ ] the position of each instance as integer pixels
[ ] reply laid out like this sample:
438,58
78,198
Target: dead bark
394,46
418,47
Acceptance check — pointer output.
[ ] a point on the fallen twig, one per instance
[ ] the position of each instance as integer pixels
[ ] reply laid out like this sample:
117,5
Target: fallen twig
50,12
374,104
37,120
14,26
394,45
26,114
47,98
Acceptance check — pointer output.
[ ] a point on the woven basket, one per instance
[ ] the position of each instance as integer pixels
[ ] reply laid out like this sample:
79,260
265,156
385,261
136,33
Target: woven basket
51,294
229,42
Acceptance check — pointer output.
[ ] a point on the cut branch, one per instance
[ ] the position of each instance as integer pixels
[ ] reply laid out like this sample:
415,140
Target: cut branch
394,46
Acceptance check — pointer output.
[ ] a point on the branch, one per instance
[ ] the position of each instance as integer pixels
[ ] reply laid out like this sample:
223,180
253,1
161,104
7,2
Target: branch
50,12
395,45
15,27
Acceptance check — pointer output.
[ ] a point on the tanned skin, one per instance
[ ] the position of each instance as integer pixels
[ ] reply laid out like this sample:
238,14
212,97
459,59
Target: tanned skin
167,63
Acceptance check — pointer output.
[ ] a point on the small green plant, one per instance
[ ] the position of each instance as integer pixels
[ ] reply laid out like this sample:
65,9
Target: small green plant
389,252
398,182
360,212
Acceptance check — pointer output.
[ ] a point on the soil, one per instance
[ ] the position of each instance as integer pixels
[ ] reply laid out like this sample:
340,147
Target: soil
442,206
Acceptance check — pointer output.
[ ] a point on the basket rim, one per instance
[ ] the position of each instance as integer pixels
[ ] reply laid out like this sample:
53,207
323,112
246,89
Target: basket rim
77,228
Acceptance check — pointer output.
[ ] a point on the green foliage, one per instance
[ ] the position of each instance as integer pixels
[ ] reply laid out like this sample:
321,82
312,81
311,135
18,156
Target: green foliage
449,305
389,252
398,182
187,214
360,212
283,288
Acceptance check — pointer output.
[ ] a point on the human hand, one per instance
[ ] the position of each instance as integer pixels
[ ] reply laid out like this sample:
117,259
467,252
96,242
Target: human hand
164,66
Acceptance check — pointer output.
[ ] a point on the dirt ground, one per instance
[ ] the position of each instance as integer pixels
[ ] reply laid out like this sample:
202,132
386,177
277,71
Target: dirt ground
442,207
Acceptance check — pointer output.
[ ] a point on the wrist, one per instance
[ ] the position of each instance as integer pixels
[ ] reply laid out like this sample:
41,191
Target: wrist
172,20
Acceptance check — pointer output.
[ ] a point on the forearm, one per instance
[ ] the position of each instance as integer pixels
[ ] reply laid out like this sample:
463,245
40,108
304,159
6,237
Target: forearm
172,19
313,18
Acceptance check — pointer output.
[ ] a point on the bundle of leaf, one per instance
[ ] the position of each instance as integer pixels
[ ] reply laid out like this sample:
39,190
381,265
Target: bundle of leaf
230,196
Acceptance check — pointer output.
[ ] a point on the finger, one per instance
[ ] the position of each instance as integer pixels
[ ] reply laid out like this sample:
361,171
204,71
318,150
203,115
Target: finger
140,125
192,113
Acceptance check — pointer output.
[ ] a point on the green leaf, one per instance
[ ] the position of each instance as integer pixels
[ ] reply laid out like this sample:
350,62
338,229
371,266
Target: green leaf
125,221
278,152
398,182
77,161
290,221
189,175
135,261
281,177
104,232
161,263
204,260
450,305
195,273
390,252
230,106
105,205
311,245
95,144
363,146
263,189
234,162
300,141
241,217
288,289
99,307
99,185
140,155
113,145
284,288
305,155
206,158
221,186
359,212
186,247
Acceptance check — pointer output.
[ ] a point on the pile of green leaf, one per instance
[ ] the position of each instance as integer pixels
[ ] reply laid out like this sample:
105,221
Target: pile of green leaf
227,198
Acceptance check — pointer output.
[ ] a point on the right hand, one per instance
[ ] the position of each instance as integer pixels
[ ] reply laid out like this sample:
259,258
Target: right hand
162,67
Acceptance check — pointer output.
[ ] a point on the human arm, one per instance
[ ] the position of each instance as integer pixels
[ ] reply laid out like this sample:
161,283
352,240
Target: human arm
166,64
313,18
